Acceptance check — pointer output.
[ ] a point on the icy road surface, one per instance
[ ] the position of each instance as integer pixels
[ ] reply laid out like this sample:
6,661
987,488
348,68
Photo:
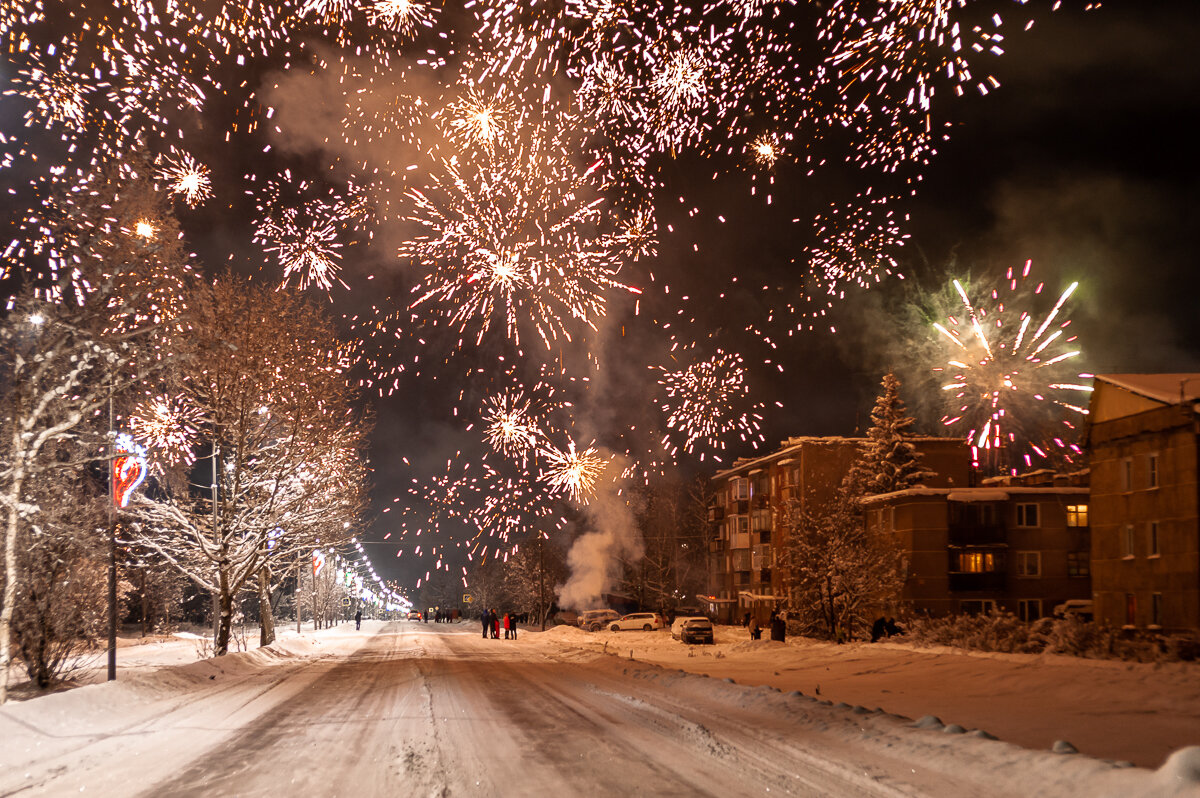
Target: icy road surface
407,709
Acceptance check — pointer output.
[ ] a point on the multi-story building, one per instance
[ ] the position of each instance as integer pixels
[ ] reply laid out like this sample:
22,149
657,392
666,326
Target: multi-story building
1144,437
749,497
1019,544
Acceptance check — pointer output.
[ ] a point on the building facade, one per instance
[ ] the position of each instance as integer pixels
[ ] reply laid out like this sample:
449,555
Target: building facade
1143,433
749,498
1019,544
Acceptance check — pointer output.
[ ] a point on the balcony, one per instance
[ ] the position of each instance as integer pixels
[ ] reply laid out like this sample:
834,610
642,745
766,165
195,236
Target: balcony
761,501
969,583
716,514
976,534
740,507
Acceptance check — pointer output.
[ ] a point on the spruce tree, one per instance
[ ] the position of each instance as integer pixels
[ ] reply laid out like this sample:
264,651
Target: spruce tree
889,461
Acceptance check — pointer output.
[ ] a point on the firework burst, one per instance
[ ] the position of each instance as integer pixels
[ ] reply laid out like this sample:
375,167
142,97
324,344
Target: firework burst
702,402
1011,384
573,473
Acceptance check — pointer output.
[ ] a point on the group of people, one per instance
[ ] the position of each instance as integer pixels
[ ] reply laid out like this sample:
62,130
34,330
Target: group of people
885,627
777,624
492,622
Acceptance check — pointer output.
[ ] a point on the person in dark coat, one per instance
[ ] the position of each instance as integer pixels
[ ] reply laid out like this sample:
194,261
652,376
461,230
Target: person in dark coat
878,629
778,627
358,620
755,630
486,618
495,625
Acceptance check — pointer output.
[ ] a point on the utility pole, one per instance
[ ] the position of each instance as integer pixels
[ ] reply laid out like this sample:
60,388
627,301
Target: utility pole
112,543
541,583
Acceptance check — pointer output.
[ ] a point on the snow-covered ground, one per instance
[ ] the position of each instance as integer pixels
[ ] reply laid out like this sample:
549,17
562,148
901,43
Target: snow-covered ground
416,709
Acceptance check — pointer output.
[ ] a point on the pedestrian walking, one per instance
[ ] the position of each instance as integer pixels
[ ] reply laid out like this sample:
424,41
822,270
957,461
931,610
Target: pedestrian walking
487,623
358,619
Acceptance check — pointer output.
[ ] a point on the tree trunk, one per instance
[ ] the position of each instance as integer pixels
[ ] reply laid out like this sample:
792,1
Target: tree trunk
224,618
266,617
10,583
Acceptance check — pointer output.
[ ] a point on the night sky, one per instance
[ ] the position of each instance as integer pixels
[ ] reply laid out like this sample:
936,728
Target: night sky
1083,161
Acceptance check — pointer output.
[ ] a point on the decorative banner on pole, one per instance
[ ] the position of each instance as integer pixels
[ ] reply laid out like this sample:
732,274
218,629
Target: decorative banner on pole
273,537
318,562
128,468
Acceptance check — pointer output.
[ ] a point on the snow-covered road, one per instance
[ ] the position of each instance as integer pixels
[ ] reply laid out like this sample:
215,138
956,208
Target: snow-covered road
415,709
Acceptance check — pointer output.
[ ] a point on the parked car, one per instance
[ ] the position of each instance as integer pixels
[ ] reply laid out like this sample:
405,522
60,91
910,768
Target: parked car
595,620
677,625
1083,609
690,611
696,630
413,615
645,621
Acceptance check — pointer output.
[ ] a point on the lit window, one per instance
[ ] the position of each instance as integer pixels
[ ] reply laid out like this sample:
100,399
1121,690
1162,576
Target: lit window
976,562
1027,515
1077,515
1029,563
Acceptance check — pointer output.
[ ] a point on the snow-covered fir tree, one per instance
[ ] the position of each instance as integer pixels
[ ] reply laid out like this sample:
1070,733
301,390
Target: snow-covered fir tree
889,461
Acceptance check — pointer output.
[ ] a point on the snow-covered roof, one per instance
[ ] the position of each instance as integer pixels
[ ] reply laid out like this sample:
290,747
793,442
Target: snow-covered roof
974,494
1169,389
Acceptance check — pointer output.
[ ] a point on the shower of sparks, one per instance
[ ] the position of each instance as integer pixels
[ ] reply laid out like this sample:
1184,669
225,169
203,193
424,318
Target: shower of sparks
169,426
516,235
573,473
509,427
1011,382
704,402
185,177
400,15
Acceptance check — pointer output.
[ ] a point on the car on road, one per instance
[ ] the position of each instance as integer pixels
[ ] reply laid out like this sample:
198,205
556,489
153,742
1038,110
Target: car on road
696,630
413,615
644,621
595,620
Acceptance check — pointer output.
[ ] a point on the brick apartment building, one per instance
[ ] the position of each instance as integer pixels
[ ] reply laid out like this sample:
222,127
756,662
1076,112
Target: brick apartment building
1144,437
745,540
1019,544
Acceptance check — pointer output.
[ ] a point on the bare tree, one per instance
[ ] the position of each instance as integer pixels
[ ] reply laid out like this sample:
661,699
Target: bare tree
80,335
60,602
531,574
274,416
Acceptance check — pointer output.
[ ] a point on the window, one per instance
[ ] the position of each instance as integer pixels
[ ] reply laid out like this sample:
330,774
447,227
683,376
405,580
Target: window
974,562
1027,515
1029,610
976,606
1130,609
1152,534
740,489
1029,564
1077,515
1156,609
1127,547
1127,474
1152,470
1078,563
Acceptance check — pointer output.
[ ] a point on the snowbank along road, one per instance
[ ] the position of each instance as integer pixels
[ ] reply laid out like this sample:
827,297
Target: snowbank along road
435,710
